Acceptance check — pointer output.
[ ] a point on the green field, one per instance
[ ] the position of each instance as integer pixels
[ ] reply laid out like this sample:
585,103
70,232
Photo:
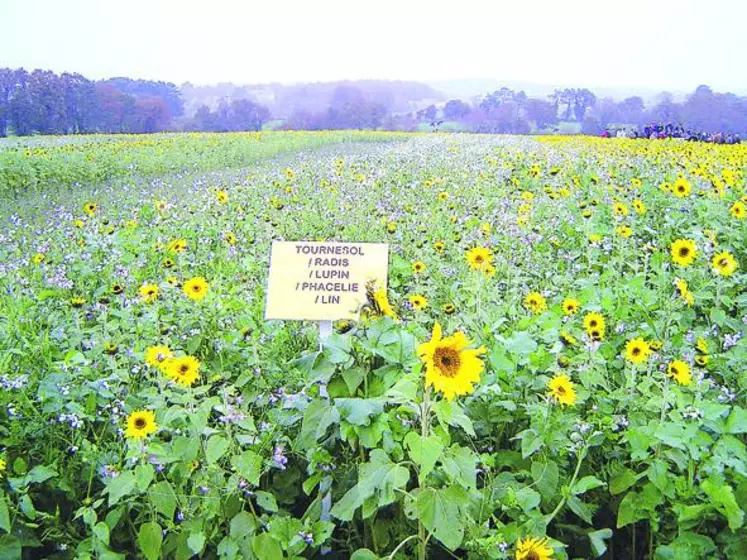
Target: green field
594,403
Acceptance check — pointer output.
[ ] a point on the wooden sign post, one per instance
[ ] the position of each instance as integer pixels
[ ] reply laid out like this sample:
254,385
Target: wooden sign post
323,282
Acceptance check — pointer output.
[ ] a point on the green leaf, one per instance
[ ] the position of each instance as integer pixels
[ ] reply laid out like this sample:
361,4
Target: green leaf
380,475
439,510
163,498
623,481
266,548
364,554
149,539
196,542
459,463
242,524
449,412
521,343
737,422
215,449
120,486
101,532
4,515
582,509
545,476
527,498
353,378
627,512
359,411
723,496
248,465
424,452
530,443
266,501
597,539
144,476
318,417
585,484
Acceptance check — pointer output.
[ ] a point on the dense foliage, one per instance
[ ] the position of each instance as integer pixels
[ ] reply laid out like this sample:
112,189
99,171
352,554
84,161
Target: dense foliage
560,371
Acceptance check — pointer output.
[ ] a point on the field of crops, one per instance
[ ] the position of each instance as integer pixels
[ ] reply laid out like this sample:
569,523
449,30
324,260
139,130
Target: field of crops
557,370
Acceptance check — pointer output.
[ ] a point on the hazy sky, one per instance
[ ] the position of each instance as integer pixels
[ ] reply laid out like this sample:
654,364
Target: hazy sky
658,44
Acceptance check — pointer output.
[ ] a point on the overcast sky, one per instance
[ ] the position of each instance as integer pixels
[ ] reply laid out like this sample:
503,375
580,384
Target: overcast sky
657,44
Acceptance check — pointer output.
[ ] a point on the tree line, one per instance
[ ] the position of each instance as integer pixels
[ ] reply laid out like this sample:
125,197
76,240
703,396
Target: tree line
42,102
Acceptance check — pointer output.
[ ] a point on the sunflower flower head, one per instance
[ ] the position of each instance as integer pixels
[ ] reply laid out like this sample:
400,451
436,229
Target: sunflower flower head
196,288
683,252
479,257
560,388
533,549
724,263
637,350
535,302
140,424
451,367
680,372
184,371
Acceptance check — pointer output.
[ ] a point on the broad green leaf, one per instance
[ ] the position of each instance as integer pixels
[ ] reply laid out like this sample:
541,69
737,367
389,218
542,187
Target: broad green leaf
353,377
4,515
545,476
144,476
623,481
248,465
723,497
439,510
582,509
460,464
628,512
101,531
317,418
241,525
163,498
266,501
585,484
531,442
424,452
196,542
364,554
215,449
120,486
266,548
359,411
527,498
149,539
737,422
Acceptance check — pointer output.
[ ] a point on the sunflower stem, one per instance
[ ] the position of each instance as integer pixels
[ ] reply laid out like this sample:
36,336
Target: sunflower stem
425,428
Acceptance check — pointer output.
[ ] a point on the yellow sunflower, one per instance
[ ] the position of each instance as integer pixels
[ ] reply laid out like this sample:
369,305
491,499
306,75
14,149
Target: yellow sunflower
90,208
184,370
680,372
418,267
479,257
570,306
681,188
177,246
684,291
149,292
222,196
702,346
155,356
419,303
561,389
620,209
637,350
443,196
683,252
450,367
449,308
639,207
196,288
229,238
439,246
535,302
624,231
38,258
738,210
140,424
533,549
2,467
594,325
724,263
568,338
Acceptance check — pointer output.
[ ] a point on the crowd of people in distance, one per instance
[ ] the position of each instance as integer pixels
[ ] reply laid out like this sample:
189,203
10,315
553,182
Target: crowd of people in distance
658,131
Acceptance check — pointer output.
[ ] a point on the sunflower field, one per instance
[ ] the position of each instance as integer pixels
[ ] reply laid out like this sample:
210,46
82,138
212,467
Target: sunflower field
557,369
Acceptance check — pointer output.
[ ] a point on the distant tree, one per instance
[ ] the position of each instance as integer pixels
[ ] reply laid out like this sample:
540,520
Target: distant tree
7,86
632,110
247,115
456,109
542,113
582,100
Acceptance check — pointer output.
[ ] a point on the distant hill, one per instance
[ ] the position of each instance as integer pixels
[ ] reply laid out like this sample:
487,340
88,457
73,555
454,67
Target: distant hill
284,99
